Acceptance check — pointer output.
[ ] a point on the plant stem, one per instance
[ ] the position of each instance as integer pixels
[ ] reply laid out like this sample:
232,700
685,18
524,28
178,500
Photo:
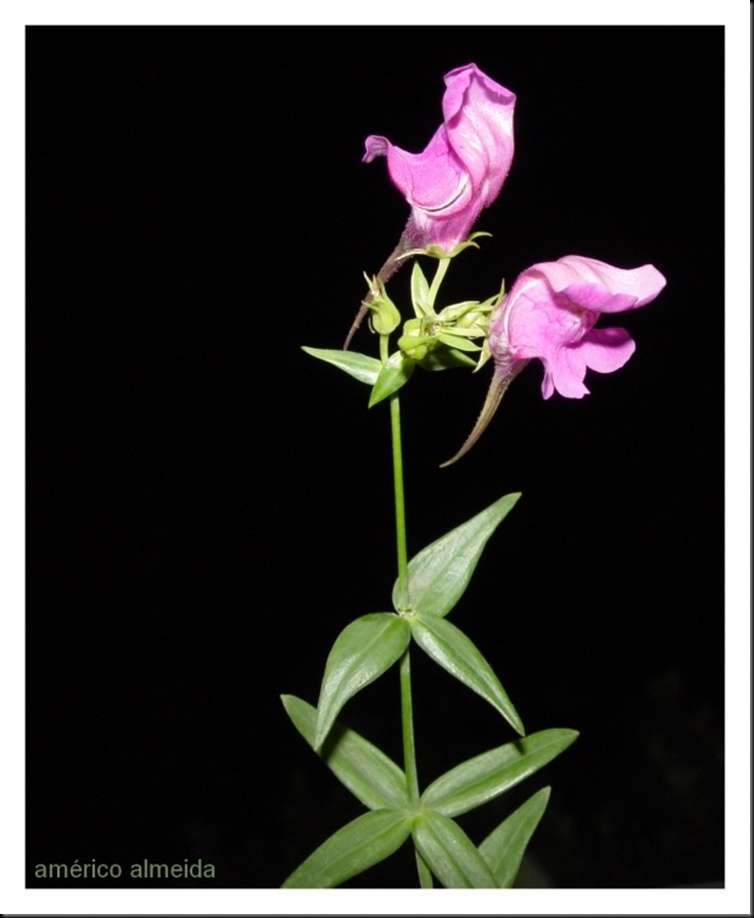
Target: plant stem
407,718
400,506
407,715
409,756
442,266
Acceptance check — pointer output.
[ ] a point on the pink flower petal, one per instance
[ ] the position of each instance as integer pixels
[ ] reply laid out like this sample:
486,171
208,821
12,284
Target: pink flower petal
566,369
606,349
479,118
602,287
433,180
463,167
550,313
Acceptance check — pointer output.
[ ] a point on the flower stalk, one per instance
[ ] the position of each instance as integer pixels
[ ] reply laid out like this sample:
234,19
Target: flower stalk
407,712
398,489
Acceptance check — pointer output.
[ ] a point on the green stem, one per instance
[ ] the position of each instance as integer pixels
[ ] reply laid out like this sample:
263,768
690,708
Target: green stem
442,266
407,715
409,757
400,506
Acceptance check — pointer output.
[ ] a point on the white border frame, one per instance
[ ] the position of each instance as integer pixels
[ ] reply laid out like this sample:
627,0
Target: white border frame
735,899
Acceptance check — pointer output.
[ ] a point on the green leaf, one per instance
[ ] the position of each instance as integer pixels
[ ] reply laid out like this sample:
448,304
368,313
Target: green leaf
439,574
395,373
365,770
425,874
359,845
419,291
490,774
450,854
365,369
504,848
361,653
449,646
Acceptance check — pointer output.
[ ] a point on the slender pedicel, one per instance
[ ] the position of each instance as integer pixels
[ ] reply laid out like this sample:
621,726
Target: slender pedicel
495,393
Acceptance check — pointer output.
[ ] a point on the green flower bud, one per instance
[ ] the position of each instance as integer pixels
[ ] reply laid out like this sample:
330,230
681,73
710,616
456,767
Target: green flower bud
384,316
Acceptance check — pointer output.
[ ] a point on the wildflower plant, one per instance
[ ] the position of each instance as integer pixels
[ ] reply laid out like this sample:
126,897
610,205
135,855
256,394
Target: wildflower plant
549,314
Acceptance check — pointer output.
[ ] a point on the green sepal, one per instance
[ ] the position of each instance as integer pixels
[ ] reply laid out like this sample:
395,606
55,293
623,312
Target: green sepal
370,775
503,849
359,845
439,574
467,312
384,314
449,646
492,773
419,291
461,342
435,251
450,854
365,369
394,373
362,651
485,355
414,344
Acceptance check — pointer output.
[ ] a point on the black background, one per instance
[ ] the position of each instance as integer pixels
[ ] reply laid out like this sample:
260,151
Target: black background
208,506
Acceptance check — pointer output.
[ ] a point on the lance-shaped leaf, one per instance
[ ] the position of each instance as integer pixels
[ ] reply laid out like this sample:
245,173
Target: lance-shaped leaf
359,845
395,373
365,770
365,369
504,848
361,653
439,574
449,646
450,854
492,773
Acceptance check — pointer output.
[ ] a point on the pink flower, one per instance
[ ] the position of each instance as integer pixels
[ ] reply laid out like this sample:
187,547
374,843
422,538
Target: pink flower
550,314
463,167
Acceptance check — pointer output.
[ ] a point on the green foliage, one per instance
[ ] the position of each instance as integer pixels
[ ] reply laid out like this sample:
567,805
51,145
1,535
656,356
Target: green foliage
486,776
503,849
361,653
437,339
368,773
450,854
440,573
441,844
365,369
394,373
353,849
449,646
